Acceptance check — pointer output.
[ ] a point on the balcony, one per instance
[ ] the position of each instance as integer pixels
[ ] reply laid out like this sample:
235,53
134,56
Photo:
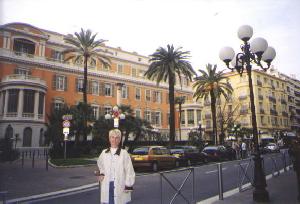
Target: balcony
297,93
262,111
242,97
21,79
285,114
273,112
259,83
260,97
272,99
244,111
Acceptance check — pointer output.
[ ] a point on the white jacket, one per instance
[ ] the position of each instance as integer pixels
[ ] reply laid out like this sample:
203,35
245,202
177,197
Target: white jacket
124,176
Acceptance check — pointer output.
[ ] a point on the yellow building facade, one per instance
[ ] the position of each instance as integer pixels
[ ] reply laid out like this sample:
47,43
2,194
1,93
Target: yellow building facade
271,103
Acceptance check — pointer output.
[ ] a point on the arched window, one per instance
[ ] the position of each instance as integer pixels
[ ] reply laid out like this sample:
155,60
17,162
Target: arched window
22,45
42,138
27,137
9,132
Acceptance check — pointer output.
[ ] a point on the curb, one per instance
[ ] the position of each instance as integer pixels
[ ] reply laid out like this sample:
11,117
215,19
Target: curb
55,193
71,166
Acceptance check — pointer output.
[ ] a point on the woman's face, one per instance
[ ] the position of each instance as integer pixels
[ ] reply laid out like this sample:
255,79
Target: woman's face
114,140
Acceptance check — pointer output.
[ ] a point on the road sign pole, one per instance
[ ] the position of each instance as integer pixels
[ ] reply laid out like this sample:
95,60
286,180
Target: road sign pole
65,154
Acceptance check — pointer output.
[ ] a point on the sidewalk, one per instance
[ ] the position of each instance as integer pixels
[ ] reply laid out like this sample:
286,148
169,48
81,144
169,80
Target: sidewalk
282,190
32,181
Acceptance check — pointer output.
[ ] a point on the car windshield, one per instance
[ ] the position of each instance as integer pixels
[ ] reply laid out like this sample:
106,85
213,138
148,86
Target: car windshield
141,151
177,151
209,149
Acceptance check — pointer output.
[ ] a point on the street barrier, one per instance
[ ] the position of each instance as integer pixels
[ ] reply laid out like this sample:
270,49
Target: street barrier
34,153
178,191
275,168
243,173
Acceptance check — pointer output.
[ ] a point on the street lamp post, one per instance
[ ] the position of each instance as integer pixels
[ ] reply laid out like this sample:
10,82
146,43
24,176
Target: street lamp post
117,116
253,52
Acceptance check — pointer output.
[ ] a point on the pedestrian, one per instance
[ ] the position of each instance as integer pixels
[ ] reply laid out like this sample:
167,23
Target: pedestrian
116,173
244,150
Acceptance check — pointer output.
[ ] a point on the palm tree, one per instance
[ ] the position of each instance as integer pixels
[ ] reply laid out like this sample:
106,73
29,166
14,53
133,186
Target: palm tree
85,48
210,84
165,65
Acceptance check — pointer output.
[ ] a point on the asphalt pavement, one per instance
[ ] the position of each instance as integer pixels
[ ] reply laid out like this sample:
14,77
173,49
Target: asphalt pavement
76,185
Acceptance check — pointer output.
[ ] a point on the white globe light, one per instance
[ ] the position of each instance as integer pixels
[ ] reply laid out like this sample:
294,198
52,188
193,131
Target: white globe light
258,46
226,54
107,116
115,108
245,32
269,55
122,116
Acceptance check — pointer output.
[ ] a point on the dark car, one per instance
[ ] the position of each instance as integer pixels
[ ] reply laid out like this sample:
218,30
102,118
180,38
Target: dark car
231,153
188,155
216,153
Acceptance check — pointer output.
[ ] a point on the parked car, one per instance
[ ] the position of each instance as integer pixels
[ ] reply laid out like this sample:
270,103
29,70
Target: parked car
271,148
217,153
231,153
154,157
188,155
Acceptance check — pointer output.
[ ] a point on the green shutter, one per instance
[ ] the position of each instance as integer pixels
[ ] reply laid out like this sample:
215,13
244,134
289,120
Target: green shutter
66,83
54,82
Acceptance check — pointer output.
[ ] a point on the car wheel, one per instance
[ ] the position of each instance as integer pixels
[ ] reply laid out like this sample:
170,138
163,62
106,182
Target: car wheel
154,167
189,163
176,164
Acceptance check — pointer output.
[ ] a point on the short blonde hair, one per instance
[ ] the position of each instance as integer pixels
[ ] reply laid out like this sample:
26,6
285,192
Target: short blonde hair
115,132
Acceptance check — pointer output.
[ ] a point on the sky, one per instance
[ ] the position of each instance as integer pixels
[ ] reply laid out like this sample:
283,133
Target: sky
202,27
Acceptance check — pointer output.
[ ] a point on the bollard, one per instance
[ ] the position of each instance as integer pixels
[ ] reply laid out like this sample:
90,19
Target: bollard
47,162
22,159
161,193
33,159
220,181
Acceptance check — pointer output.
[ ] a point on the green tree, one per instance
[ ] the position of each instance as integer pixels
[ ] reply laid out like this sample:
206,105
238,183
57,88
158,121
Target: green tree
165,65
211,84
84,47
130,125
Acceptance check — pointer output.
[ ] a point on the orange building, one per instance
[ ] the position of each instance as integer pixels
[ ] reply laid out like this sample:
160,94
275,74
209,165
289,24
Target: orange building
35,79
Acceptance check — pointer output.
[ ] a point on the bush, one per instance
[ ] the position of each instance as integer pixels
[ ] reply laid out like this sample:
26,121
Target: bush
7,153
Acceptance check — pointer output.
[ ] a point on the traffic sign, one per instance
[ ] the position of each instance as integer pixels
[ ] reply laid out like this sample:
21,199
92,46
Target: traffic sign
66,124
67,117
66,131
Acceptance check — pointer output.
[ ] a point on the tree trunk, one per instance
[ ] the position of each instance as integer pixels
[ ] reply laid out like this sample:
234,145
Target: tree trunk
172,111
179,123
214,116
85,100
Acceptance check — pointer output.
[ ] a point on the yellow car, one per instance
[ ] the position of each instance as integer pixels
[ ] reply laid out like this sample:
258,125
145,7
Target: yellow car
154,157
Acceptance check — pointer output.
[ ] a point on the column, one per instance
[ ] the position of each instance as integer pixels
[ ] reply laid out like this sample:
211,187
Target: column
5,103
20,103
185,118
44,104
36,105
195,118
119,90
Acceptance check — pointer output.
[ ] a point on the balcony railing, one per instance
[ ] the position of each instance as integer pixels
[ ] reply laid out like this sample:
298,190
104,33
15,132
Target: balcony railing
11,114
21,77
243,97
284,113
272,99
273,112
208,116
28,115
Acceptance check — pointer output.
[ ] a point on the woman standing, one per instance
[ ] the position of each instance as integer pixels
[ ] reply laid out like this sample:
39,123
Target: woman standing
116,172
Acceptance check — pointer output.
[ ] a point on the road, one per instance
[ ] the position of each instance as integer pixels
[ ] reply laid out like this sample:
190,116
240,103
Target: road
148,190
